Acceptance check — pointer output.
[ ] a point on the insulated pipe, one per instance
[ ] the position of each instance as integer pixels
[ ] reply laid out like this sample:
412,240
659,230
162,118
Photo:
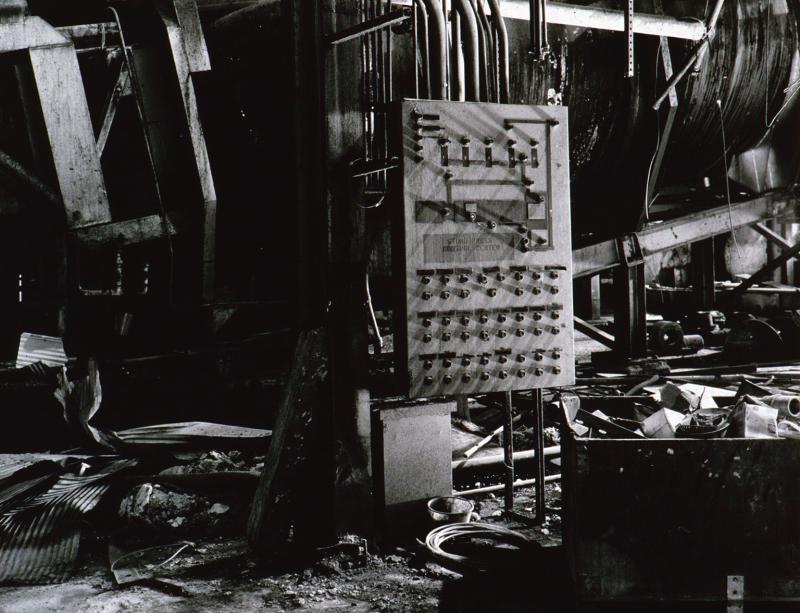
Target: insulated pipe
437,33
469,38
483,46
501,35
491,80
456,59
422,35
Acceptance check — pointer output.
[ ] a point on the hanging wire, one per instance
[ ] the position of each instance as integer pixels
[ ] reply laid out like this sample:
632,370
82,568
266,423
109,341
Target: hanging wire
727,179
647,200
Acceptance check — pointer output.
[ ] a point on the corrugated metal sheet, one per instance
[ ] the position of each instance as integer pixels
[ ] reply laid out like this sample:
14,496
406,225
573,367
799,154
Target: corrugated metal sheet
39,348
40,530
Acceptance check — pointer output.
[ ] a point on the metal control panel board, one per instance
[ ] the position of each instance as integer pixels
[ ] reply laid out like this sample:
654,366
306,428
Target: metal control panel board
482,247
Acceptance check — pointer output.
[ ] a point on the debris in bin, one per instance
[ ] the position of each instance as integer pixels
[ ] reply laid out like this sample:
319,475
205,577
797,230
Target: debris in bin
662,424
754,421
678,399
788,406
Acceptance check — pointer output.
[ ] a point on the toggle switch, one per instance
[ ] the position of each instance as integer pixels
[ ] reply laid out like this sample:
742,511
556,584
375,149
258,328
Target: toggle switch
426,295
482,278
426,279
427,323
463,278
446,321
427,338
554,290
464,293
446,336
427,365
466,362
520,358
465,321
448,379
444,295
537,331
466,378
537,316
447,363
485,376
519,291
484,318
556,370
492,292
501,276
503,374
484,335
501,317
521,373
556,354
556,330
538,356
518,276
520,333
519,317
536,291
428,380
538,372
465,335
502,334
484,360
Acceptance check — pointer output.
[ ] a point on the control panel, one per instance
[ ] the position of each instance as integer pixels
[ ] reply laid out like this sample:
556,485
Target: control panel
482,247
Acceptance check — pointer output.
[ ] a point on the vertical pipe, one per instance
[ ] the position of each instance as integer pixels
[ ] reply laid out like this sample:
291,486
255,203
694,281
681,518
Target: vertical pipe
424,45
502,48
490,59
469,36
508,451
538,407
456,59
437,32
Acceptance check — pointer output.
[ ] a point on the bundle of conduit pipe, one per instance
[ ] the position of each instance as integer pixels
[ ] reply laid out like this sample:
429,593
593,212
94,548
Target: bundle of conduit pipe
742,86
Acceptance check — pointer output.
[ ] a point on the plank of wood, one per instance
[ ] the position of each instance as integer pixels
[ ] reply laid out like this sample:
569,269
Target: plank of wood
70,134
274,504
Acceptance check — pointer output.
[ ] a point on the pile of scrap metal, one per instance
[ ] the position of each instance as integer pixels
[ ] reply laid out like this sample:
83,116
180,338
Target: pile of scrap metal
48,502
689,410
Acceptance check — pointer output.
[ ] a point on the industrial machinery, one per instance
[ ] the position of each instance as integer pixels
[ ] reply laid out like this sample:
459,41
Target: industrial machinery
483,247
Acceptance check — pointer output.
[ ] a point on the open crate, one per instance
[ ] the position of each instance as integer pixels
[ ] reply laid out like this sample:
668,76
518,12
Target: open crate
680,519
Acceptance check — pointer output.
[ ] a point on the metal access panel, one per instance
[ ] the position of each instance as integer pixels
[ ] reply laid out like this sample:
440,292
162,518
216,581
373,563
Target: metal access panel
482,247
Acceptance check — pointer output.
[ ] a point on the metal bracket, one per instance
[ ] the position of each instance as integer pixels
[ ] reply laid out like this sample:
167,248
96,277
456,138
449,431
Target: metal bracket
381,22
629,36
735,593
629,250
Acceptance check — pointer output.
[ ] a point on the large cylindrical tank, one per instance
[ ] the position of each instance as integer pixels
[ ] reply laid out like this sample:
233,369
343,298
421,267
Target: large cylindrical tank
614,131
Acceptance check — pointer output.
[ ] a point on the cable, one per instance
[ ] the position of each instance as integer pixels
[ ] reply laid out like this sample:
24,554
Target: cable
647,200
727,179
503,541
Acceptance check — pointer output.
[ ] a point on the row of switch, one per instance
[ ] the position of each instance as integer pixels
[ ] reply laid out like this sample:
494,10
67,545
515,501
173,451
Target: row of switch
426,277
487,376
485,335
434,131
538,355
484,318
491,292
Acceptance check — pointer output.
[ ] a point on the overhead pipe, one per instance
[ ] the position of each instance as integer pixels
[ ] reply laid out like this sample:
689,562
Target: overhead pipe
563,14
437,33
469,37
501,37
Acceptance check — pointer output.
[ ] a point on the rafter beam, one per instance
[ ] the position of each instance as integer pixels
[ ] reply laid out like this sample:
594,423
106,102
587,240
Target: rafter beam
660,236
